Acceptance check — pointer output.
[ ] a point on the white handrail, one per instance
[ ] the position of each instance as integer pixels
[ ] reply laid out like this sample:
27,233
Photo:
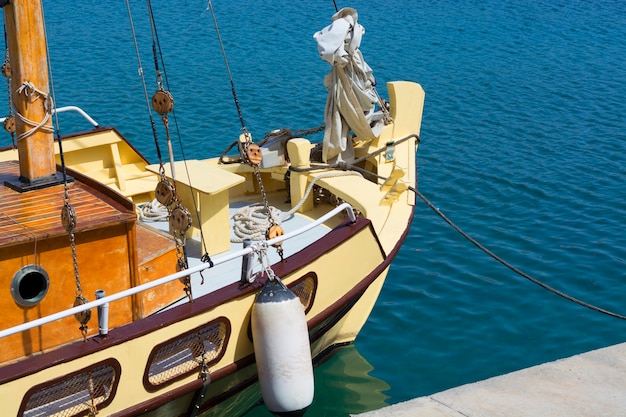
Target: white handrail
135,290
79,111
66,109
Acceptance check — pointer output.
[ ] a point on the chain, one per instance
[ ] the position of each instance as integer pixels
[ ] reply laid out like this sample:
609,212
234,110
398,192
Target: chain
204,368
93,409
251,153
204,376
181,264
165,192
257,174
9,121
68,218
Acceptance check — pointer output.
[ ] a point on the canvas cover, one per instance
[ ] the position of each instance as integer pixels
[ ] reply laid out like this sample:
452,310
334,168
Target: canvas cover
351,96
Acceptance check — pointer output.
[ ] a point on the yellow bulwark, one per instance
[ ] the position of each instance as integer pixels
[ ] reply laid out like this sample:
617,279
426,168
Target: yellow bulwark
203,190
108,158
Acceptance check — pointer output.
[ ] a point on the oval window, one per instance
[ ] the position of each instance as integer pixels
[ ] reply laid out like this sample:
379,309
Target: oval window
30,285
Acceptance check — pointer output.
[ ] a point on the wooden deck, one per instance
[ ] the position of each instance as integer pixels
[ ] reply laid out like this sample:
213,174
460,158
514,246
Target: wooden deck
37,214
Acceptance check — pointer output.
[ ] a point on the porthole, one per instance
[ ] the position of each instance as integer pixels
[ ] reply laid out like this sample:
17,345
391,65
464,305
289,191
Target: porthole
30,285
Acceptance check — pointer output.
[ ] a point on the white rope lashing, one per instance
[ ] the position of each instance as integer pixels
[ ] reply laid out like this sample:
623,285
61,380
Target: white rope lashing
33,93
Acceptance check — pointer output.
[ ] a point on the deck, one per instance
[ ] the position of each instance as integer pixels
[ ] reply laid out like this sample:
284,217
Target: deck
37,214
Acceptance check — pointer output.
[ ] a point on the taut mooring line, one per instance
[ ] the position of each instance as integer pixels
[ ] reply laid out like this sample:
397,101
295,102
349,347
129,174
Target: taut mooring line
511,267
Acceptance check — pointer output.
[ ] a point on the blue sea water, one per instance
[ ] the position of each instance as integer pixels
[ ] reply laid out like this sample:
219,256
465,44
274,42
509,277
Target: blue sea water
523,147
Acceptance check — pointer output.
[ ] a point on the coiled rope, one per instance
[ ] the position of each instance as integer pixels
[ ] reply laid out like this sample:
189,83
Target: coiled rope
153,211
511,267
251,222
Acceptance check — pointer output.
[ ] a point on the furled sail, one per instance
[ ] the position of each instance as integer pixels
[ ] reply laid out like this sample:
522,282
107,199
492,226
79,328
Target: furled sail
351,96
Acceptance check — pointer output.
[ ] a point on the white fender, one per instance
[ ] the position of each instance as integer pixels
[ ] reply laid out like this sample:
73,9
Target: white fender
282,350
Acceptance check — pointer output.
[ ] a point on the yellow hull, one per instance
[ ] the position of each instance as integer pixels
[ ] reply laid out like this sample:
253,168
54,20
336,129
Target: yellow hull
329,323
151,364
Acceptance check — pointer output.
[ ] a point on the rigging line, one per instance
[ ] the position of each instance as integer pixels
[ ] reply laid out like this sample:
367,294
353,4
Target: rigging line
53,104
511,267
143,81
27,230
8,77
158,56
230,76
335,4
155,43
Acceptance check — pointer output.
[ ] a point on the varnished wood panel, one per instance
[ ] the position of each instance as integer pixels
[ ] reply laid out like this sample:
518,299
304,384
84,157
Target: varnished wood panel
37,214
112,253
31,232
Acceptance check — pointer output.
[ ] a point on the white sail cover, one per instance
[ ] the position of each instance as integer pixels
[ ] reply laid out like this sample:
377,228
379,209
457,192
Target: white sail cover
351,95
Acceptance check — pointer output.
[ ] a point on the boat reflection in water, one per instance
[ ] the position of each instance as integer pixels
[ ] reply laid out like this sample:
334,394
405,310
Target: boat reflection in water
343,385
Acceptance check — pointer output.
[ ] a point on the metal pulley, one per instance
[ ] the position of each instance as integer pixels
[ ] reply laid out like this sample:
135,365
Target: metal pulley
9,124
162,102
180,219
165,192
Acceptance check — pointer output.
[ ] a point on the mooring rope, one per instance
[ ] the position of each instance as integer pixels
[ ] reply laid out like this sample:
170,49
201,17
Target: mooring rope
459,230
511,267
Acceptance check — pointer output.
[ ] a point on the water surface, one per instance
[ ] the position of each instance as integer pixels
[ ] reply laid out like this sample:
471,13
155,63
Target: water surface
523,146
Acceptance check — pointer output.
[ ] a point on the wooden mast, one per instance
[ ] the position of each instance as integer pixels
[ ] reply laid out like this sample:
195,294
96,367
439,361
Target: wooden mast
31,93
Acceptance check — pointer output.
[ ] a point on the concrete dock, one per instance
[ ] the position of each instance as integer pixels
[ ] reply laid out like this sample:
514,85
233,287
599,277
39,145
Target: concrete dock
591,384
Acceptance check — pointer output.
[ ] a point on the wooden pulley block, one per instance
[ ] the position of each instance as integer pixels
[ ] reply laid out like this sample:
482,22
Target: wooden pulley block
164,192
273,232
9,124
254,154
68,218
84,316
162,102
6,69
180,219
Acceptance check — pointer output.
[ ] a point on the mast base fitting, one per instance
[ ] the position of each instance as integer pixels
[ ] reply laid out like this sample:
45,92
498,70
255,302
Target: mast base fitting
22,185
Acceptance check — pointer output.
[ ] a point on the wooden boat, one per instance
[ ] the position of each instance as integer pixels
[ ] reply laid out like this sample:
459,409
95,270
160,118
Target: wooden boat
123,287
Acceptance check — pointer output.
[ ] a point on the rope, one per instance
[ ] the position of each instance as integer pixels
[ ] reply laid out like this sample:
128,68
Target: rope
251,222
153,212
281,135
314,180
143,83
457,228
511,267
230,75
33,93
352,165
